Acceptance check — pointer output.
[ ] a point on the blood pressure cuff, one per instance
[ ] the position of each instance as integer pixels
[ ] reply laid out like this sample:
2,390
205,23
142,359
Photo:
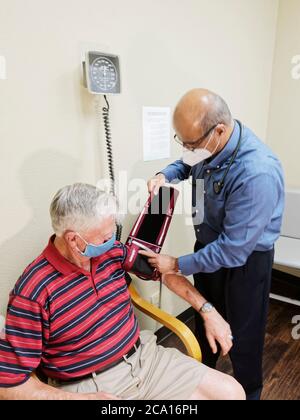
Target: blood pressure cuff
149,232
141,268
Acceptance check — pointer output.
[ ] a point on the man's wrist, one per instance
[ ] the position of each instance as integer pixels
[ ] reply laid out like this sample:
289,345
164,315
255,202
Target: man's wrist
208,315
206,309
176,266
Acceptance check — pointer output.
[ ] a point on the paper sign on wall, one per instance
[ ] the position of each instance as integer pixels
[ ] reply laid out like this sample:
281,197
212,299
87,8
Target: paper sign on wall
156,132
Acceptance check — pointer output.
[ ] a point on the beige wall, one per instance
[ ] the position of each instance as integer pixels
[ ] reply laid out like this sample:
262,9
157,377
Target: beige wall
48,129
283,130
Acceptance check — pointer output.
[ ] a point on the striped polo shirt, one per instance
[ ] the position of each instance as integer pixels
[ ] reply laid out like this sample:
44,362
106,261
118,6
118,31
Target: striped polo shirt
66,320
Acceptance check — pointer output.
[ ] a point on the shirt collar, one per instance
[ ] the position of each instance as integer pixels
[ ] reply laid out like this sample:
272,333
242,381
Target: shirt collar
227,151
60,263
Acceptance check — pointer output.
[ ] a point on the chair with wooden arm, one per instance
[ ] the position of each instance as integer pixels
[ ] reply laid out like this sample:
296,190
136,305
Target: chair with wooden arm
177,327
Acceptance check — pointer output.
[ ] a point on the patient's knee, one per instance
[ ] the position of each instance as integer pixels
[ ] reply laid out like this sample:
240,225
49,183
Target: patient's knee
226,388
232,390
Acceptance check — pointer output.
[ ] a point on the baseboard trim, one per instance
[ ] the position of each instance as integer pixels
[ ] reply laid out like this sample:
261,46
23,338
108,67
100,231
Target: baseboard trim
163,332
285,299
286,286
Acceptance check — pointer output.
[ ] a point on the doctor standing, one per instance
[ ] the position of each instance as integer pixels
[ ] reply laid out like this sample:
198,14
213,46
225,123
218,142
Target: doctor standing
243,188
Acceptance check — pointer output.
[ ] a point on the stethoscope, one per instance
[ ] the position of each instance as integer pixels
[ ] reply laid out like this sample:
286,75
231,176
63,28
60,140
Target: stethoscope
219,185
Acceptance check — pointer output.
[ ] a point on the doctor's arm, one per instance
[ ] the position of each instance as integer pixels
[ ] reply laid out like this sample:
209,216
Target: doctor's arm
175,172
248,211
217,329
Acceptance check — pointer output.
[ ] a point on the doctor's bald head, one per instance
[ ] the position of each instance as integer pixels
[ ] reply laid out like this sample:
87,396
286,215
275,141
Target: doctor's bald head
197,112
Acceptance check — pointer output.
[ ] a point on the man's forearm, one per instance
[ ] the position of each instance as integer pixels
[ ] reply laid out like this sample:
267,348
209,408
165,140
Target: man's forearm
184,289
34,389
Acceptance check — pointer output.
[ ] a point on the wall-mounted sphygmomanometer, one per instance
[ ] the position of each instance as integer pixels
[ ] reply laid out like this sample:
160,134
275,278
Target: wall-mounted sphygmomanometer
102,77
102,73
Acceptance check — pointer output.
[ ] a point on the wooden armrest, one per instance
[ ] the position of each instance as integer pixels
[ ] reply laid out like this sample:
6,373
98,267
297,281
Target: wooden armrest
179,328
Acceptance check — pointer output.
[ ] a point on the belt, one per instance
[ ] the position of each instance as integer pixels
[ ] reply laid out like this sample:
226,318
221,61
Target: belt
111,365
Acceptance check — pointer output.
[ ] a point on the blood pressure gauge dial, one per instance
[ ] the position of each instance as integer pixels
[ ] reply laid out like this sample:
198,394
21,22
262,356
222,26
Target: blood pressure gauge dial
102,73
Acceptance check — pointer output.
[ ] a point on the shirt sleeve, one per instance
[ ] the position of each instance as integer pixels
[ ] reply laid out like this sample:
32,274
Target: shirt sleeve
124,252
248,210
21,342
176,171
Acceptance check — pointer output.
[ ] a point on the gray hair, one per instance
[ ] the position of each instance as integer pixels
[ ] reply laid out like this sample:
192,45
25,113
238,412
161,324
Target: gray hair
217,114
80,207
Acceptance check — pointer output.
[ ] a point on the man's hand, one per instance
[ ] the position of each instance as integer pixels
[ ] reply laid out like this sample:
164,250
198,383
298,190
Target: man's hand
96,396
217,330
156,182
34,389
163,263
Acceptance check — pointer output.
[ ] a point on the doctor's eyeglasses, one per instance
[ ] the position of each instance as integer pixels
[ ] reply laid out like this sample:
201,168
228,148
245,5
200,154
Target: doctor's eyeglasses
193,145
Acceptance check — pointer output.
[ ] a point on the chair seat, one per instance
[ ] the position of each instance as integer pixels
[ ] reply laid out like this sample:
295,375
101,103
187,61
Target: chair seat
287,252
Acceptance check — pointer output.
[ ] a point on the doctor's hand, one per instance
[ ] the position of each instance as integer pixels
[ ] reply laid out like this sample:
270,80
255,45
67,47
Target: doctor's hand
155,183
217,330
163,263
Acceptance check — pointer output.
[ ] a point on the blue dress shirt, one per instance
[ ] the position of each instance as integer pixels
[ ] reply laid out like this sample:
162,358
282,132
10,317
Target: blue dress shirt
246,216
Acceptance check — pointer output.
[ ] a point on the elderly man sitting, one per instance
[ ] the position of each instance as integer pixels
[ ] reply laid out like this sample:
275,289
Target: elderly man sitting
70,314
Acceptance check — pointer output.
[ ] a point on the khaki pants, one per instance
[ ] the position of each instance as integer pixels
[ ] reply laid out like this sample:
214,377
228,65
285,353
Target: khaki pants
151,373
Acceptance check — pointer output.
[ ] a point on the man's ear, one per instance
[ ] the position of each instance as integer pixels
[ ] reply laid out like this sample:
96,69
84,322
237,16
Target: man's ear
221,129
70,238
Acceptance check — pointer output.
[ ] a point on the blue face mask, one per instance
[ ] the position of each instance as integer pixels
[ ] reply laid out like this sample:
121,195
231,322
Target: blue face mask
92,250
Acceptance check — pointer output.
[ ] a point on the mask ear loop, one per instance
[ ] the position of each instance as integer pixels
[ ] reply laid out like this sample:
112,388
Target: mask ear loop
86,243
216,147
78,234
205,148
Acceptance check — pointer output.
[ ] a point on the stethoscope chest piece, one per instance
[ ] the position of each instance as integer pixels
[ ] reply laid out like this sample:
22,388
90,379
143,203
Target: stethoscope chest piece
217,187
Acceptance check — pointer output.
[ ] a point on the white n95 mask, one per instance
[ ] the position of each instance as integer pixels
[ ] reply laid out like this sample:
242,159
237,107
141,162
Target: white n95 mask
193,157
